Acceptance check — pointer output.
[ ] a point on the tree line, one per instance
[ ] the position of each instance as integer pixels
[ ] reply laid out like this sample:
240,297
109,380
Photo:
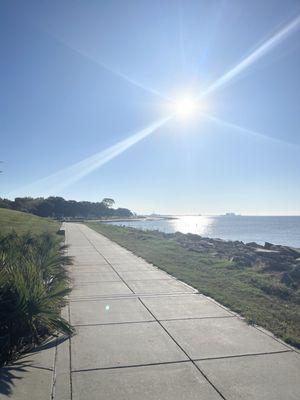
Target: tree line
58,207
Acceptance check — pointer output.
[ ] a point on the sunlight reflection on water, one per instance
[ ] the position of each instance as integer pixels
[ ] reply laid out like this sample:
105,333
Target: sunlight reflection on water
259,229
192,224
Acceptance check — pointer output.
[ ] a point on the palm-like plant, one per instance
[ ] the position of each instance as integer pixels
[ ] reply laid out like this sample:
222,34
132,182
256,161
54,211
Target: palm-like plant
33,284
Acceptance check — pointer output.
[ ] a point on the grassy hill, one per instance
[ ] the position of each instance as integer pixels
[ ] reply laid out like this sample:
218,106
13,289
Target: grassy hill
23,222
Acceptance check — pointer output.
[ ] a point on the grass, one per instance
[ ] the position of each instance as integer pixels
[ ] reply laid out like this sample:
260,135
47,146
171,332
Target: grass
243,290
20,222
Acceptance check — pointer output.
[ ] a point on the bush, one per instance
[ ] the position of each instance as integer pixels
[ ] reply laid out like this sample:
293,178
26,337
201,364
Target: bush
33,283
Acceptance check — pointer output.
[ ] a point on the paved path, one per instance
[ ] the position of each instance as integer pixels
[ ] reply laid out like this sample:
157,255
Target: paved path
142,334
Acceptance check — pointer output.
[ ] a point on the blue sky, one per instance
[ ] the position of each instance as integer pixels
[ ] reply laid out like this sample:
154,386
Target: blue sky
78,77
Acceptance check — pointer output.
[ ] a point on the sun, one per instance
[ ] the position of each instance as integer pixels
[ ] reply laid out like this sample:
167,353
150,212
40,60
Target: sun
184,107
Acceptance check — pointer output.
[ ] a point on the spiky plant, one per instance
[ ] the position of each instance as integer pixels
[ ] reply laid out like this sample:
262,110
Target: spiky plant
33,284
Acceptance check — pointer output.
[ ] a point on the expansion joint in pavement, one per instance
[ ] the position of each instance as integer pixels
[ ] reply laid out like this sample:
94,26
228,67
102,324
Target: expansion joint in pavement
54,374
153,320
276,340
70,356
192,318
244,355
92,244
117,323
182,349
131,366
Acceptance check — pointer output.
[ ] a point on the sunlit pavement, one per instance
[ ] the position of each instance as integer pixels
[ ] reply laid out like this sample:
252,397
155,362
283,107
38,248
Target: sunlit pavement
141,334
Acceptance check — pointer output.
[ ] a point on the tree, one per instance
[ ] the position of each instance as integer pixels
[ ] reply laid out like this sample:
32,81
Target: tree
44,208
108,202
123,213
58,207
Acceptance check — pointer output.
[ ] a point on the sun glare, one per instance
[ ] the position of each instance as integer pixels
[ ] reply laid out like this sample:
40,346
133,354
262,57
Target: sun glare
184,107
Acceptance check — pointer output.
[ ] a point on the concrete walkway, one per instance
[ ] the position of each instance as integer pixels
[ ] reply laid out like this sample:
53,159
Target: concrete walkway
142,334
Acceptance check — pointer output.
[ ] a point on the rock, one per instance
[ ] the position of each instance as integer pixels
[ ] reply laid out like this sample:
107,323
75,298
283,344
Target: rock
268,245
254,245
269,257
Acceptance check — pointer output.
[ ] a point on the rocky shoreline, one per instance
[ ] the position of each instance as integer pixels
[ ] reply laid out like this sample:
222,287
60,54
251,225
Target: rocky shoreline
281,260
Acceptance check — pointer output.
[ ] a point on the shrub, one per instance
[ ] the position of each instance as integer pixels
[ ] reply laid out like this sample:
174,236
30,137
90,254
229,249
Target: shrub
33,283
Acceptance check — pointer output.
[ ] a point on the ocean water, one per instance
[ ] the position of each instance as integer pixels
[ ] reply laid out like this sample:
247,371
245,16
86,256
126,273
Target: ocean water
277,230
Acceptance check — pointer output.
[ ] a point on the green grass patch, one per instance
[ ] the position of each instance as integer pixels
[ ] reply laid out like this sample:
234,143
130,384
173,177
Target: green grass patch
20,222
250,293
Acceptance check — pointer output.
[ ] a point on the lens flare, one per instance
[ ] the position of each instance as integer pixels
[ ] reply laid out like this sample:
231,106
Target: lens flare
55,183
184,107
248,132
254,56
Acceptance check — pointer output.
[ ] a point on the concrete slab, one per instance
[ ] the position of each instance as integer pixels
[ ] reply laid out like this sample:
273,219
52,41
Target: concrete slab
220,337
77,253
84,277
41,357
79,246
166,382
98,264
263,377
104,346
128,267
21,382
108,311
160,286
89,260
99,289
144,275
133,264
184,306
120,257
79,259
92,253
128,259
79,250
62,385
90,268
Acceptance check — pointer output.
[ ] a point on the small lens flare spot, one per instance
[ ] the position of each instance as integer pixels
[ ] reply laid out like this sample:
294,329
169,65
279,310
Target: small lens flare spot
107,307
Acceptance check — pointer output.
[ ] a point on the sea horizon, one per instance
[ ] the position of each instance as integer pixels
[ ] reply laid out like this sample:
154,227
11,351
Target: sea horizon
280,230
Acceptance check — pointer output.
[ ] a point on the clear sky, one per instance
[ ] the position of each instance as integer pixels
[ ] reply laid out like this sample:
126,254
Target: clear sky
84,82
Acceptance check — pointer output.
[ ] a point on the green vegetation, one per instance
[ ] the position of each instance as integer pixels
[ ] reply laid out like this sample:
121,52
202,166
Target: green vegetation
256,295
57,207
33,282
20,222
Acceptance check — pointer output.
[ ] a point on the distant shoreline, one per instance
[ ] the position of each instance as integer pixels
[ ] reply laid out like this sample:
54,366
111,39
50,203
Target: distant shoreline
277,230
160,218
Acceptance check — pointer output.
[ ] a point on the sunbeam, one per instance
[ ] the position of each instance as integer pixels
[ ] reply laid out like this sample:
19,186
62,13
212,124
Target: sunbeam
247,131
110,69
181,38
55,183
254,56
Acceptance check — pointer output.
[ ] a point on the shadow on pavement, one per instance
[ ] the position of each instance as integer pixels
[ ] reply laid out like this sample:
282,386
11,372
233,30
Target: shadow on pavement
9,374
16,371
50,343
